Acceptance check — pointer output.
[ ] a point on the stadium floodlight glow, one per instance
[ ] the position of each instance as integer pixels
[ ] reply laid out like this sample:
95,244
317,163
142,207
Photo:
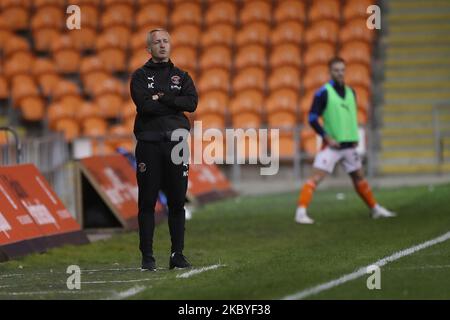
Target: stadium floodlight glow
236,142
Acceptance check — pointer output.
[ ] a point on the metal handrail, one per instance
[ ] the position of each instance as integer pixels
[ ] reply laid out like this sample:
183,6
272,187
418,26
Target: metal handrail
17,142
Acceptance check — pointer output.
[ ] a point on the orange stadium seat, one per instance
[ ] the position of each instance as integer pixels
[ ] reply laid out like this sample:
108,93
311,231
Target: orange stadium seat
285,55
89,15
87,110
185,35
290,10
284,99
39,4
177,2
214,79
138,41
129,123
362,97
66,89
128,110
308,141
315,77
212,109
69,127
14,45
110,52
44,71
246,108
57,111
186,13
25,95
23,86
84,38
356,9
256,32
211,120
318,53
92,71
66,55
221,12
305,104
4,88
252,55
356,29
101,147
122,34
32,108
124,137
94,3
5,32
185,58
286,145
117,13
324,10
357,74
249,78
281,108
15,66
216,57
219,34
284,77
282,120
323,30
46,25
137,60
16,13
255,11
356,52
143,3
108,96
287,32
213,102
152,15
94,127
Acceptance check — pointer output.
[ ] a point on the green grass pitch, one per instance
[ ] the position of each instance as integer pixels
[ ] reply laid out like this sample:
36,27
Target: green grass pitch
261,253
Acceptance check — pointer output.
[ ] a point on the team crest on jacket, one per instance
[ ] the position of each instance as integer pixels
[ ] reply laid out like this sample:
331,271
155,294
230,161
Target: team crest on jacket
175,79
142,167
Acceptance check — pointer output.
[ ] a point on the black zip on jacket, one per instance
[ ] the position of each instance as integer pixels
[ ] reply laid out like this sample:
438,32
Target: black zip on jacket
166,113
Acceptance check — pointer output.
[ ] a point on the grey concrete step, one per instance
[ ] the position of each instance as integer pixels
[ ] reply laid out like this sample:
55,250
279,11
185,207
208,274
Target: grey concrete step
432,71
417,84
406,143
435,16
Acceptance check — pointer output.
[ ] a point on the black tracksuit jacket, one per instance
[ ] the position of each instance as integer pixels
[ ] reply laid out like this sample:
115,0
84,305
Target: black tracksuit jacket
165,114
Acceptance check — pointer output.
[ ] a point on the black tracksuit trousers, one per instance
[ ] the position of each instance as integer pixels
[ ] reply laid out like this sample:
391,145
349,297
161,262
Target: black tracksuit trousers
156,171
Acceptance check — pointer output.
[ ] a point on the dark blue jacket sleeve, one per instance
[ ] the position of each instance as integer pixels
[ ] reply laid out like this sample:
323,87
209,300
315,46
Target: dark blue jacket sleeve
318,107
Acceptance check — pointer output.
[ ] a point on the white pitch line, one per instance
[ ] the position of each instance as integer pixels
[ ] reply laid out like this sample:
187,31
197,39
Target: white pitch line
362,271
31,293
11,275
425,267
200,270
120,281
127,293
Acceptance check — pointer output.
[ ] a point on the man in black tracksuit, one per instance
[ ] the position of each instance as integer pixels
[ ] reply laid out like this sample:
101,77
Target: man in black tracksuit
161,92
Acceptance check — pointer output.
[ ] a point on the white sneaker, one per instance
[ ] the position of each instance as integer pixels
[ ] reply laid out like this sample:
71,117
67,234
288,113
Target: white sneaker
381,212
302,217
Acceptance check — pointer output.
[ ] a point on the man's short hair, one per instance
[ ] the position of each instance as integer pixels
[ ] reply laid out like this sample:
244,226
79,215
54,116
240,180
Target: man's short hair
150,34
335,60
